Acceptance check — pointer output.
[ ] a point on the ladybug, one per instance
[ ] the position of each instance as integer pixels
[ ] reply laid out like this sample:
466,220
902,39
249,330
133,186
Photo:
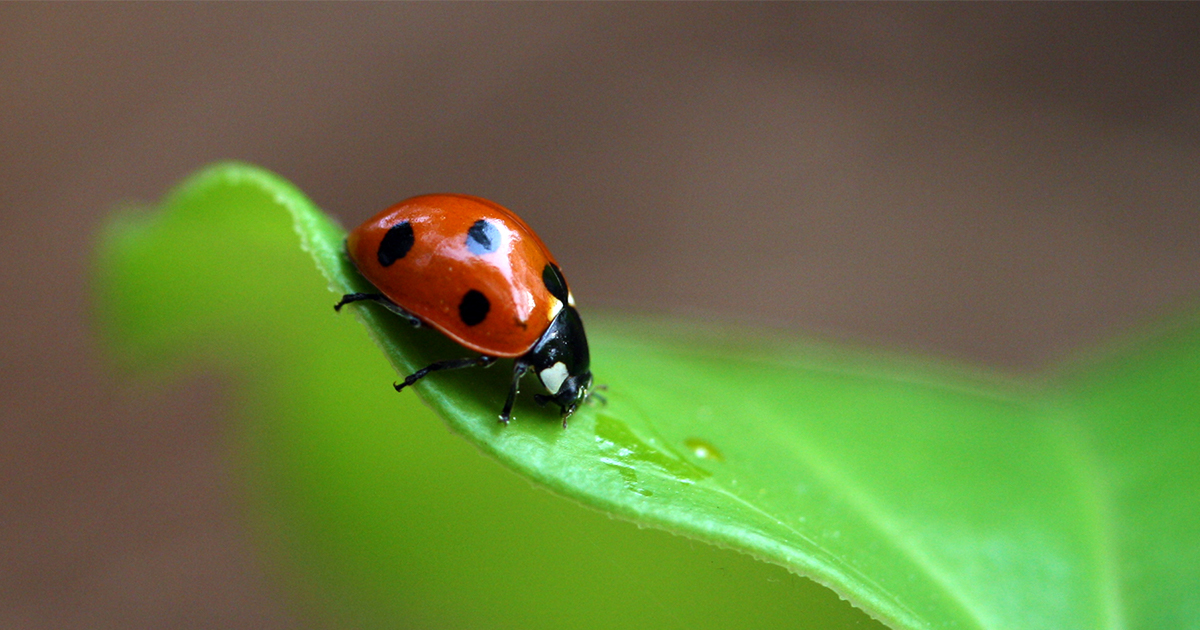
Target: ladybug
474,271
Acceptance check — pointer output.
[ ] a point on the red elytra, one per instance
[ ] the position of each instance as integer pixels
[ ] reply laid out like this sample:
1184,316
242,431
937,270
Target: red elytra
432,278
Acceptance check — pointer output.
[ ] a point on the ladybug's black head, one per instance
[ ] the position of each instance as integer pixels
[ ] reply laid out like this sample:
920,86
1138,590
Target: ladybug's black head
573,391
560,359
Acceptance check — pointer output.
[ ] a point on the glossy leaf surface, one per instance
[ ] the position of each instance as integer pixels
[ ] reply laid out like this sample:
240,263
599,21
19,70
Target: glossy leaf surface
927,495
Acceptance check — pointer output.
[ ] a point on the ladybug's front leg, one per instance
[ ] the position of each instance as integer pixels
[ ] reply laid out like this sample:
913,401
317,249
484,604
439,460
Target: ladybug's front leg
381,299
519,370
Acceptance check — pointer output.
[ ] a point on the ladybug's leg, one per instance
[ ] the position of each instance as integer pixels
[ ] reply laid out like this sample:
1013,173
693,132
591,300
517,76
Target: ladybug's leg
519,370
381,299
451,364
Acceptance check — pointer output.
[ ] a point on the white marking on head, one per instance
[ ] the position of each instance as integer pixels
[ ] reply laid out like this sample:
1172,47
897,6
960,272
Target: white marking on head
570,298
554,376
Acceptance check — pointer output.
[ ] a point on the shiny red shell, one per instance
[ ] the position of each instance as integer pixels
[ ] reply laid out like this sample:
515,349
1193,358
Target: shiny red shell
442,265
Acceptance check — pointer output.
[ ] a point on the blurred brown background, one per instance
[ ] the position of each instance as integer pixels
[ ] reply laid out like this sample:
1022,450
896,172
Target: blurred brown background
989,183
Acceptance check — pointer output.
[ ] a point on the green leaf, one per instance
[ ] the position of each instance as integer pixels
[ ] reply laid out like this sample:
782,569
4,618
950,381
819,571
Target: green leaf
928,495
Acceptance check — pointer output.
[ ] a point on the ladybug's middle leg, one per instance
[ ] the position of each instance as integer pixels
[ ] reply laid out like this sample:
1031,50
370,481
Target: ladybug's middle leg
450,364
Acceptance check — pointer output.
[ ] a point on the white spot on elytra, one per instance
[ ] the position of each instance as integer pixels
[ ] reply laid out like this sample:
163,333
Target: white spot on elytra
553,377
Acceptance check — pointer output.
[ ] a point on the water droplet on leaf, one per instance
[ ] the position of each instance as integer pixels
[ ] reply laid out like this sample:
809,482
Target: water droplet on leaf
703,449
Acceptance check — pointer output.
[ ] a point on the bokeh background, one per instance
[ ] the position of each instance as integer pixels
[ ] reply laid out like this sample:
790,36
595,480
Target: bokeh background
995,184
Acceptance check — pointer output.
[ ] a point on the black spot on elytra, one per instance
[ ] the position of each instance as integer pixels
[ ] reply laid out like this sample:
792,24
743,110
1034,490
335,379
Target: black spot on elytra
555,283
483,238
473,308
396,243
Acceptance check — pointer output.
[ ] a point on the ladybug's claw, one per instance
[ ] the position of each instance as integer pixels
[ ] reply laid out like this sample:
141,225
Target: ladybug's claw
357,297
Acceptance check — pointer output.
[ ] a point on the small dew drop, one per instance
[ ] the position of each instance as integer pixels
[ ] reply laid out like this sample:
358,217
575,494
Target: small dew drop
703,449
